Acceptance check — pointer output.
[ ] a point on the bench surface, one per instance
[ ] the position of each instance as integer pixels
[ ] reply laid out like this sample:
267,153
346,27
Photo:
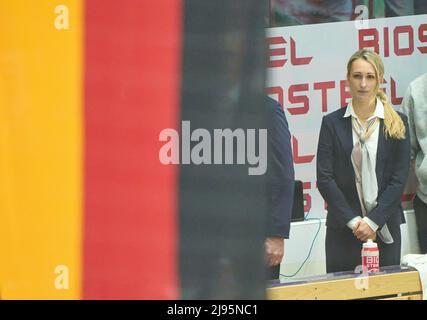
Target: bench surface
399,283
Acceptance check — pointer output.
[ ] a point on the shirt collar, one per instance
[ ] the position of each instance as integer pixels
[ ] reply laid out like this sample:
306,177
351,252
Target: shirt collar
379,110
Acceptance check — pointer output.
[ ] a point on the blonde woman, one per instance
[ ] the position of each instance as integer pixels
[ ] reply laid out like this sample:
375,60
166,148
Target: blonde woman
362,168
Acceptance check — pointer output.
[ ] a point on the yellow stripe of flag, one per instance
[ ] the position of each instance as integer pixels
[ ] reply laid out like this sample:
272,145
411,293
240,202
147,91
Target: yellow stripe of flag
40,149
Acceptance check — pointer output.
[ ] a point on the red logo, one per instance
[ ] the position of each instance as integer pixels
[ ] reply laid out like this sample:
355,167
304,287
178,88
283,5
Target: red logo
280,51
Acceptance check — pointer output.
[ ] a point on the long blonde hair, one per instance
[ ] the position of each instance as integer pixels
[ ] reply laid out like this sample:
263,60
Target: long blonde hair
393,124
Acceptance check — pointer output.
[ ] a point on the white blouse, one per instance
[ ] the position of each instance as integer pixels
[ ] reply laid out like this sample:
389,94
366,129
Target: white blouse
372,146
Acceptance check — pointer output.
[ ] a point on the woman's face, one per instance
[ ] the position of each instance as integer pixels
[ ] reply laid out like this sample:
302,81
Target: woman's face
362,81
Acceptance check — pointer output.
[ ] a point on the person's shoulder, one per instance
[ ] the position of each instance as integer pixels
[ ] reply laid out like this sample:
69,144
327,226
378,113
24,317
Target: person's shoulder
419,81
337,114
276,108
273,103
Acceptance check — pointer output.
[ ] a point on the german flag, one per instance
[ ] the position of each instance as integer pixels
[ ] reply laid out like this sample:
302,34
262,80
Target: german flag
87,209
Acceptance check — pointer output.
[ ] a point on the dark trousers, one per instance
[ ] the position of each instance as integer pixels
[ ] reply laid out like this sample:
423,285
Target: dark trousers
343,249
420,209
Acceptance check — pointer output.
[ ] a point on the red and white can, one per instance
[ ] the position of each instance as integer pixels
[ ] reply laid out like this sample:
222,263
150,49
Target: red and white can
370,257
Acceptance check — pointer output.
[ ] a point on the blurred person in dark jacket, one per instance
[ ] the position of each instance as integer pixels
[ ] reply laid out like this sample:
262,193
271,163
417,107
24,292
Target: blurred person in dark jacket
281,184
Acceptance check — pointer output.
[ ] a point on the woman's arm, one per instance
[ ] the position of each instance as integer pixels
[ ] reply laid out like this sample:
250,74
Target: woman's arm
392,195
326,176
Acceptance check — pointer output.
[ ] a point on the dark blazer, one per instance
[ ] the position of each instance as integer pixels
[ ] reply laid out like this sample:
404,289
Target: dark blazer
281,173
335,174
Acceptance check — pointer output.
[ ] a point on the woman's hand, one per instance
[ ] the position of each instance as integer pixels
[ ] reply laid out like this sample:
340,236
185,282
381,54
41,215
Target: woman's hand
363,231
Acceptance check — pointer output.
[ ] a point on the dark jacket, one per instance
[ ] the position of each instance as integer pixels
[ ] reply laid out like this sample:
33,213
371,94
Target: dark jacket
281,173
335,174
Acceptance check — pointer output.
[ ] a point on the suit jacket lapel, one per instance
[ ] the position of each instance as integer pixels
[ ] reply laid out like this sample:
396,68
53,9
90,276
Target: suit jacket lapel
379,170
345,132
346,136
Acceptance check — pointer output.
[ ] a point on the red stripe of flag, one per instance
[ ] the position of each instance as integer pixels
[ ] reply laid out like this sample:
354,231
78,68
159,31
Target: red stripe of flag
132,74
